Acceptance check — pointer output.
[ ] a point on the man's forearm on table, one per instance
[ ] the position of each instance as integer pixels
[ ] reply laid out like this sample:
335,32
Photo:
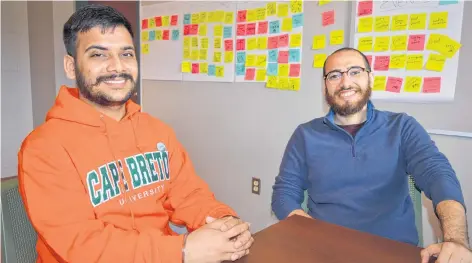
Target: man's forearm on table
453,222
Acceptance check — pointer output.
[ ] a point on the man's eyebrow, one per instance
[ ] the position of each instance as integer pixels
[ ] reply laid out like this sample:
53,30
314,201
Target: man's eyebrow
104,48
128,48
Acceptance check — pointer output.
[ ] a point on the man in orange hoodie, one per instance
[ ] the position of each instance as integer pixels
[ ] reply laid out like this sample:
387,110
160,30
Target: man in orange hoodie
101,180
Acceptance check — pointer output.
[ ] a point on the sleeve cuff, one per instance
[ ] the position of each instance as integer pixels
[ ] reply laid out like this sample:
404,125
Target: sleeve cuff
445,190
222,212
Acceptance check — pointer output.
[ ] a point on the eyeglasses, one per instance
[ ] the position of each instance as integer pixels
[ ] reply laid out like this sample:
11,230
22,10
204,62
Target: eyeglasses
334,77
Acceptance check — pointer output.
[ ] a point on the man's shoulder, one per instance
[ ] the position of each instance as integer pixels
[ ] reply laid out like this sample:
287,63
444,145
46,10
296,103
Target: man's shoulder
154,122
390,116
45,137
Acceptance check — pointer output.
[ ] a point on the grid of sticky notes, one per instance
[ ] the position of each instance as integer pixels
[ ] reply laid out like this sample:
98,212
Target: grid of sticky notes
159,28
411,42
208,42
269,44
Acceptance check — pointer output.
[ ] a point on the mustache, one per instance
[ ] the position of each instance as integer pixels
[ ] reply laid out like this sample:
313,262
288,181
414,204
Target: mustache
344,88
125,76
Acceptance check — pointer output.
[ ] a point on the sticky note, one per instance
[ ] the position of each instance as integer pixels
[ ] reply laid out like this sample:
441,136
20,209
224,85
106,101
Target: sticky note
294,83
218,30
187,30
186,67
145,48
262,43
166,34
283,70
323,2
272,69
318,60
296,6
229,56
194,54
294,55
240,44
365,24
365,43
251,15
282,10
145,35
283,56
261,13
216,56
399,22
294,70
194,29
240,69
219,16
241,57
297,20
319,42
262,27
397,61
382,23
271,8
336,37
327,18
399,43
250,29
435,62
412,84
381,63
283,41
227,32
152,35
284,83
272,82
204,68
443,44
229,17
165,21
274,27
204,42
250,74
296,40
273,42
203,54
417,22
187,19
158,21
220,71
186,53
195,18
273,55
416,42
382,44
158,34
260,75
202,30
211,70
217,42
241,16
251,43
438,20
380,83
195,68
414,62
287,24
241,30
229,45
394,84
194,41
261,61
144,24
202,17
175,34
432,85
250,60
448,2
364,8
152,22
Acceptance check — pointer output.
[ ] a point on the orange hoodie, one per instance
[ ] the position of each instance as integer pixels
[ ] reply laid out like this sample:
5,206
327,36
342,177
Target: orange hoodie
100,190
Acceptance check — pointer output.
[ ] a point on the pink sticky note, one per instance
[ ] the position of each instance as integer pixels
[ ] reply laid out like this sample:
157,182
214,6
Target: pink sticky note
369,59
240,44
432,85
262,27
194,29
327,18
283,40
283,56
144,24
272,42
186,30
158,21
294,70
394,84
165,35
241,30
416,42
173,20
242,16
251,29
228,45
195,68
365,8
250,73
381,63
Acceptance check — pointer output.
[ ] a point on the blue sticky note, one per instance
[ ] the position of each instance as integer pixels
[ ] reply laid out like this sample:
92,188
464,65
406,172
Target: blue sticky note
241,57
152,35
448,2
297,20
240,69
273,55
294,55
274,27
187,19
272,69
175,34
211,70
227,32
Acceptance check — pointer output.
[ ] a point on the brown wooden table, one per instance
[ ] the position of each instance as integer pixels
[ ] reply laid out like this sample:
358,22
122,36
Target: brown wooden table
299,240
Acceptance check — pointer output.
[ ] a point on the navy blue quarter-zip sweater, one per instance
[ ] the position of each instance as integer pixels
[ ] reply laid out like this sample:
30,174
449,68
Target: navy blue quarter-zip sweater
361,182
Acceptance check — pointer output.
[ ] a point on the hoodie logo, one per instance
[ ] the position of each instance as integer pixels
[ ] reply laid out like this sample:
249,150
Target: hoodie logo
108,181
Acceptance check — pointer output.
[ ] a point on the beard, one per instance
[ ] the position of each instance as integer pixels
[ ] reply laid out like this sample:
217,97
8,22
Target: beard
349,108
100,97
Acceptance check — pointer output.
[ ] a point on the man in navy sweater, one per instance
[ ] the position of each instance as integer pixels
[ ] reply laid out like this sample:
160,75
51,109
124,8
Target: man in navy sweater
355,163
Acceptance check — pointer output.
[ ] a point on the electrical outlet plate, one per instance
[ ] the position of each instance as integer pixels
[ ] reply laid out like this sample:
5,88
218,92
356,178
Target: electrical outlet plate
256,186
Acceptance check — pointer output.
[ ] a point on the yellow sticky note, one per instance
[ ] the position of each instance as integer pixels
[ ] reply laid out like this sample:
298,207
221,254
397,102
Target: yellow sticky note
438,20
397,61
251,43
412,84
229,17
365,24
294,83
217,56
296,40
282,10
435,62
319,42
336,37
284,83
218,30
399,22
272,82
186,66
380,83
194,54
211,17
250,60
203,67
382,23
365,44
287,24
382,44
152,23
283,70
318,60
448,46
228,56
261,13
202,30
187,42
204,42
323,2
399,43
145,48
202,17
186,53
219,16
414,62
296,6
251,15
260,75
217,42
271,8
145,35
261,61
203,54
195,18
417,21
158,34
165,21
220,71
194,41
262,43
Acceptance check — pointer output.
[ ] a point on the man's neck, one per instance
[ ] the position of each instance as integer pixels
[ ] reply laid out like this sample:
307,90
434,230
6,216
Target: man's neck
356,118
115,112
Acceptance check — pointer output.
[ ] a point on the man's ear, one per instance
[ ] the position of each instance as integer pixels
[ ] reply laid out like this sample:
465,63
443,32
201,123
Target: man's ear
69,66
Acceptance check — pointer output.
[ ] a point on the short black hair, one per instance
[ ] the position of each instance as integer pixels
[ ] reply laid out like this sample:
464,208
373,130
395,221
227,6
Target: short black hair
88,17
366,61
